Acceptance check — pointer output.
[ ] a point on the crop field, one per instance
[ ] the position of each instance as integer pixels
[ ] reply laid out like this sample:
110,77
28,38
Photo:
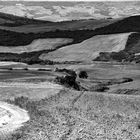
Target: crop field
89,49
37,45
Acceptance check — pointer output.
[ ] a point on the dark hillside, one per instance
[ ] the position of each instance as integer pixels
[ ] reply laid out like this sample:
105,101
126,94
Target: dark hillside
133,43
129,24
9,38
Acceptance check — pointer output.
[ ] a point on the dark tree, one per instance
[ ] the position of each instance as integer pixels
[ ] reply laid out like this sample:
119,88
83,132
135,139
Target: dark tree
83,74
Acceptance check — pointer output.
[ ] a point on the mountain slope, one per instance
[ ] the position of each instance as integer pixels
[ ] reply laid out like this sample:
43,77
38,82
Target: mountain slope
129,24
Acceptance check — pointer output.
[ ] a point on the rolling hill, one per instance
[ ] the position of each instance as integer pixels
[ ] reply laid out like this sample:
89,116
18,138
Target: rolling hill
32,41
25,25
11,20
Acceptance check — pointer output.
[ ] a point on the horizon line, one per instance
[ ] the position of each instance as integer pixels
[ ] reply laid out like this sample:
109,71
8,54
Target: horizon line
70,0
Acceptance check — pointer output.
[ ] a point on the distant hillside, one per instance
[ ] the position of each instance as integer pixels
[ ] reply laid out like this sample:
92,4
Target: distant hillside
87,38
79,31
11,20
130,24
25,25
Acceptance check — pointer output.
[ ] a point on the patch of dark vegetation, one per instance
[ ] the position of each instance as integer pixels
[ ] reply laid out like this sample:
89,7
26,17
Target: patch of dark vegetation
10,68
41,69
10,38
138,126
83,75
133,43
137,59
127,91
118,81
103,86
121,56
28,58
99,88
126,55
25,69
69,80
70,62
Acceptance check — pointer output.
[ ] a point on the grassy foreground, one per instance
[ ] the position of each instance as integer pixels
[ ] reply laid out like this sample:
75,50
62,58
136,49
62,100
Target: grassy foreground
80,115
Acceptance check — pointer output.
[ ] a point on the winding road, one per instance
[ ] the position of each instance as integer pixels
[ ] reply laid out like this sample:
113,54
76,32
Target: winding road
11,118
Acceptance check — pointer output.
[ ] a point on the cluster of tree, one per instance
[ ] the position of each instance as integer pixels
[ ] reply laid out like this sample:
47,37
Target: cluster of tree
27,57
11,38
121,56
69,80
83,74
67,72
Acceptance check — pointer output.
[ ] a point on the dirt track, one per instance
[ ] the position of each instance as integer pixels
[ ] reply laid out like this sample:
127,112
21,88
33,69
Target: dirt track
11,118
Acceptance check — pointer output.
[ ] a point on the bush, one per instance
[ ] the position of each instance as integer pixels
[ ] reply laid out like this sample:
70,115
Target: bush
25,69
83,74
68,81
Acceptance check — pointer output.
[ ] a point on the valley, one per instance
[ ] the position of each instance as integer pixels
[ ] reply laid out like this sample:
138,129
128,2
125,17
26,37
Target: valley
69,80
64,110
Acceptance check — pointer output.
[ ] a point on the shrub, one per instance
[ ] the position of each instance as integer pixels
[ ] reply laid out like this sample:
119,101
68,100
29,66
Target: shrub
83,74
68,81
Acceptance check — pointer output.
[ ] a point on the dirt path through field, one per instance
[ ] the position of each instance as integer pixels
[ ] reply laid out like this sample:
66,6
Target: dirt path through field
11,118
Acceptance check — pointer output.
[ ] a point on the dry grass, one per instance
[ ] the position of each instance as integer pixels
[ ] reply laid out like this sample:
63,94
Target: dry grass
92,116
34,91
89,49
37,45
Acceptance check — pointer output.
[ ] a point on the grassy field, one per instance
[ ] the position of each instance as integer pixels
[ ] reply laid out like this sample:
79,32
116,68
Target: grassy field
37,45
89,49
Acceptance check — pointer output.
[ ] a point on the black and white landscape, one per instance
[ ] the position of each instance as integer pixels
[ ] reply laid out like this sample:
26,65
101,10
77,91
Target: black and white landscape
69,70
